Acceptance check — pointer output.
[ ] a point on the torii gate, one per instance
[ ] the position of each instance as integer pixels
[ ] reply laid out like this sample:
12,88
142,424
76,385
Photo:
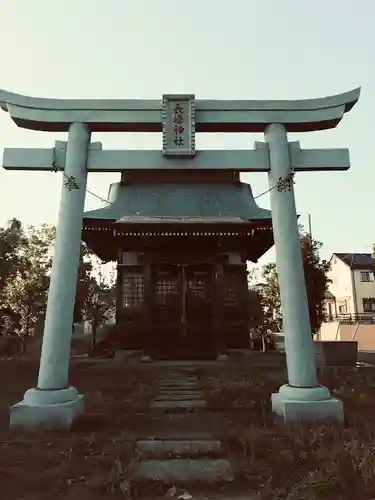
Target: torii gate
53,403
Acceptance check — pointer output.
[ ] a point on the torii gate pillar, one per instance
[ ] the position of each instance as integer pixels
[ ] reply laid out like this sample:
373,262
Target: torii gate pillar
302,397
53,403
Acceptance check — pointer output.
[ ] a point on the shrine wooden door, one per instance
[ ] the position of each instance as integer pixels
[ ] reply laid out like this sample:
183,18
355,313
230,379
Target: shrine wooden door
183,312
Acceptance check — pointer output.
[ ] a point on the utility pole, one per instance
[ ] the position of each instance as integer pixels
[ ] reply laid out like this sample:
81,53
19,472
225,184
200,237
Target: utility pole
310,233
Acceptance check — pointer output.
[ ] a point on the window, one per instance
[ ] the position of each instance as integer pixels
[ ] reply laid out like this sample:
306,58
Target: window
167,285
365,276
133,290
369,304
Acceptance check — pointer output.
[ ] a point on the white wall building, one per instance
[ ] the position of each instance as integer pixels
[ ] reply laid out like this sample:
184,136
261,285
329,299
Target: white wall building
350,301
352,287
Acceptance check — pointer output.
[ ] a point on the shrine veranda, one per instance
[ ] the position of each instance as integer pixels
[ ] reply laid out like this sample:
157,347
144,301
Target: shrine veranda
181,227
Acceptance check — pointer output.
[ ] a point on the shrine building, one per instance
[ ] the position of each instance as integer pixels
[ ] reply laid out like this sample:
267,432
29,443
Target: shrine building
181,240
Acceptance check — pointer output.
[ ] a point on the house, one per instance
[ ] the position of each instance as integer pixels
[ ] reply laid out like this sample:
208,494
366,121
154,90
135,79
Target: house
352,287
349,303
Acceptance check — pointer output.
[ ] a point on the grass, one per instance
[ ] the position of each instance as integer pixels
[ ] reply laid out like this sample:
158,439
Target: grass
311,461
96,458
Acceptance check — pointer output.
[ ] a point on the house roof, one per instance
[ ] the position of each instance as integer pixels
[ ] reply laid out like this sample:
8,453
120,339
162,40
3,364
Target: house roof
356,260
328,295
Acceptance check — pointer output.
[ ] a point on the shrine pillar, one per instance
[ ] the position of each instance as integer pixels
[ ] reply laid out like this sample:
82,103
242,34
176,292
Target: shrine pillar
53,404
302,397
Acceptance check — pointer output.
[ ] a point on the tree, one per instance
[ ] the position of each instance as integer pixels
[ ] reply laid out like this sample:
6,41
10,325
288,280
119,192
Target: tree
12,239
85,268
25,265
99,301
258,322
316,278
26,286
270,292
315,270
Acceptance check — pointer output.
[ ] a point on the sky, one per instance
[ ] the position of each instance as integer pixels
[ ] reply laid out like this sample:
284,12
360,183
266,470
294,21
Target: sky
242,49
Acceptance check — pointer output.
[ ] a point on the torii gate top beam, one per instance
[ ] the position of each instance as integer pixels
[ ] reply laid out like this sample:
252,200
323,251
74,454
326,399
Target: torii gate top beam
113,115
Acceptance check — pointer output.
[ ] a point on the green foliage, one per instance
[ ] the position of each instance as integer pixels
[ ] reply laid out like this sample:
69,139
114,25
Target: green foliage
98,299
255,309
26,262
25,266
12,239
85,269
315,270
270,293
260,325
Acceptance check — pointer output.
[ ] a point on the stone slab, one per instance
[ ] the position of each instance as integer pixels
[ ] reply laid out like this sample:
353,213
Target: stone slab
177,448
178,396
181,471
181,384
179,378
178,404
295,411
179,388
174,383
172,433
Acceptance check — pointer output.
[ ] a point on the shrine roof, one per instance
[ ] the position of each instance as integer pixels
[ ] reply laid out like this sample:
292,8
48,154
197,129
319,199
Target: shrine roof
139,219
137,115
182,203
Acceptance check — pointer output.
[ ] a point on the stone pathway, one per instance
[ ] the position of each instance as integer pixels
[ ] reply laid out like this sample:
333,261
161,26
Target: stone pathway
184,459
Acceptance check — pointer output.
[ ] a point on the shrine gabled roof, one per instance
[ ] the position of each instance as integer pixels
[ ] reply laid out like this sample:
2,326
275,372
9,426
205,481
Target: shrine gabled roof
179,203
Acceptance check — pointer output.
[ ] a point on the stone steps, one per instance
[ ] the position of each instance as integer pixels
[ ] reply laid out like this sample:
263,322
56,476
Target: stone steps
183,460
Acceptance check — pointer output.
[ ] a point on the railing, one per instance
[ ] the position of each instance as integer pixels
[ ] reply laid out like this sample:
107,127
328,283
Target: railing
350,319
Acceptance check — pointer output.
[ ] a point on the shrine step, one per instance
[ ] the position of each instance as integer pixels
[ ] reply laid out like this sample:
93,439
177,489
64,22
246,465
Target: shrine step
179,383
181,471
179,396
181,448
179,405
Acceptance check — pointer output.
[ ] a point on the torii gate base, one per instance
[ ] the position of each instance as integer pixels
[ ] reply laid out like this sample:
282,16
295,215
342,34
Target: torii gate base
314,403
53,404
